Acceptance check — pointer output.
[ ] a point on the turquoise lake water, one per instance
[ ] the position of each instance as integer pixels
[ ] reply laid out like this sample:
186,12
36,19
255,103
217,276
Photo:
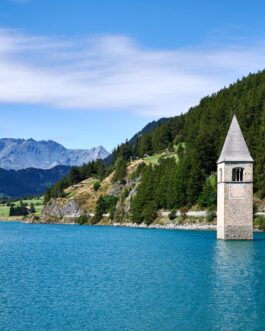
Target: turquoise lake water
63,277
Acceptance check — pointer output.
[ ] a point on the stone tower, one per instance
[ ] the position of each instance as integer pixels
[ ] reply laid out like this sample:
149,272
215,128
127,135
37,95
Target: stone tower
235,187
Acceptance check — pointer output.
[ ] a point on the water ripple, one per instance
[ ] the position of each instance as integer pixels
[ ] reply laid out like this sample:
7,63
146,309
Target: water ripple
56,277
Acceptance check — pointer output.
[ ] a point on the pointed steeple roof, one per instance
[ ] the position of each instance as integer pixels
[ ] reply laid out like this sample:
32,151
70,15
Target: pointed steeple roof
235,147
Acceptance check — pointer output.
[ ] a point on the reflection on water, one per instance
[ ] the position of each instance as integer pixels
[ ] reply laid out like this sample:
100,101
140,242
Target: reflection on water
235,273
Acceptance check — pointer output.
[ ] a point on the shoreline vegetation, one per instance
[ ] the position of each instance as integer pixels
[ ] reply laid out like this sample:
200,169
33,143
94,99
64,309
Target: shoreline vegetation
183,225
201,220
189,223
169,226
197,227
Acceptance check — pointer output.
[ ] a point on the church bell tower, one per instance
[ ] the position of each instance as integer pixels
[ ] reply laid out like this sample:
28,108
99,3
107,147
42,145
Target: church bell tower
235,188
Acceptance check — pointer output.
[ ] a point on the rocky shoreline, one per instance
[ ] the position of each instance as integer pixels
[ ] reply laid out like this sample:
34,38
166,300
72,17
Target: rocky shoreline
198,227
188,225
169,226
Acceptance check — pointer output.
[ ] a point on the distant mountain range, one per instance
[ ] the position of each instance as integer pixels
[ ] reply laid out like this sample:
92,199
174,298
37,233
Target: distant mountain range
29,182
28,167
17,154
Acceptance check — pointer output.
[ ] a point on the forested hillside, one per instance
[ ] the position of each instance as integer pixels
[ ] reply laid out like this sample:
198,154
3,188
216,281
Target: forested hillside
198,137
29,182
204,127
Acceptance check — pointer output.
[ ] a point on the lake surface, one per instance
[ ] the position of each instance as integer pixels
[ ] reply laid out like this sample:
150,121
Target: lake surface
63,277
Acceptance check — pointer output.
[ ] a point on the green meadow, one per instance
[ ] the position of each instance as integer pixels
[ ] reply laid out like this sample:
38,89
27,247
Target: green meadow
154,159
38,203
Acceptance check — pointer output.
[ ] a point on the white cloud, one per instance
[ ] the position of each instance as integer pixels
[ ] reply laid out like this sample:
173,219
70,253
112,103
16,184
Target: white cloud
116,73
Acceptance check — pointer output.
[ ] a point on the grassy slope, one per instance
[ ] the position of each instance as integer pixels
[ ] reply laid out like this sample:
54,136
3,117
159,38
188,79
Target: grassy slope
86,197
4,211
84,194
154,159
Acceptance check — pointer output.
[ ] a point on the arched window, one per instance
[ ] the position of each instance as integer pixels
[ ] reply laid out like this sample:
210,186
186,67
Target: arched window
237,174
220,175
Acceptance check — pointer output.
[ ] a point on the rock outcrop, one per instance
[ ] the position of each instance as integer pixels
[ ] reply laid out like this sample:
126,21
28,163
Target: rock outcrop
59,212
81,199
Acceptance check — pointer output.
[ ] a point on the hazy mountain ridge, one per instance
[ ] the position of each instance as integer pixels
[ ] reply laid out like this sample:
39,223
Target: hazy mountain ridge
30,181
20,154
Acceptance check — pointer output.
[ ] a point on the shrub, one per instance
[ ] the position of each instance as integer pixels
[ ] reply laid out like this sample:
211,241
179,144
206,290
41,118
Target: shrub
183,212
95,219
83,219
208,195
149,213
18,211
211,215
259,221
104,204
138,171
112,213
125,194
120,171
32,208
172,215
96,186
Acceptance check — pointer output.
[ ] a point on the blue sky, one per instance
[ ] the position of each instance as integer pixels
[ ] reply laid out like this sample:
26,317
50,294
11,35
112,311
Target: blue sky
88,73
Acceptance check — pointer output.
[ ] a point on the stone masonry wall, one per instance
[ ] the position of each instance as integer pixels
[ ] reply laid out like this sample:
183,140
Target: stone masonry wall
235,203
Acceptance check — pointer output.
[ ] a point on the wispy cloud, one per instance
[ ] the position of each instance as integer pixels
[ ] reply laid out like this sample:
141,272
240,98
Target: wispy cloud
116,73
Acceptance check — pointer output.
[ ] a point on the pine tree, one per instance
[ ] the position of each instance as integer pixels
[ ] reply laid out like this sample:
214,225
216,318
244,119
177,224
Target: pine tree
208,195
259,169
120,171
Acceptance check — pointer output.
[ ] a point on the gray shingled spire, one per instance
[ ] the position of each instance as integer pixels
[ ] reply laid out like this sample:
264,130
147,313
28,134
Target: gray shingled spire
235,147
